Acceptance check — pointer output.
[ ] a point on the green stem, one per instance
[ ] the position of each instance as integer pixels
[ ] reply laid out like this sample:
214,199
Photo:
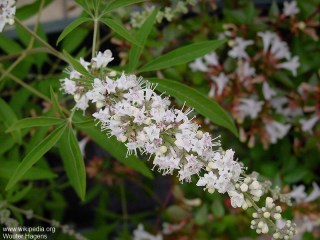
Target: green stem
40,40
95,33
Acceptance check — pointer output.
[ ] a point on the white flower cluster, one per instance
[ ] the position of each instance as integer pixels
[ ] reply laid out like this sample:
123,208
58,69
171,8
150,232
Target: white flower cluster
128,108
138,17
276,52
7,12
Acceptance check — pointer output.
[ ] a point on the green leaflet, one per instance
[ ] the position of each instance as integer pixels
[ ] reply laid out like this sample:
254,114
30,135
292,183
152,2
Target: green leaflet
120,29
73,162
71,27
35,154
35,122
182,55
141,36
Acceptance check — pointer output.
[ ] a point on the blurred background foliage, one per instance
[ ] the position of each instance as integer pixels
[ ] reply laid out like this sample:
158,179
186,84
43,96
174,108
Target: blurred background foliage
118,196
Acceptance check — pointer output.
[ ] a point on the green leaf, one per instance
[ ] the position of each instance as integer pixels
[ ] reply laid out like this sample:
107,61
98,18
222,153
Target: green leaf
116,149
35,154
71,27
55,103
141,36
201,216
120,3
8,45
295,175
78,67
35,122
85,124
200,102
35,173
182,55
9,118
120,29
217,208
73,162
28,10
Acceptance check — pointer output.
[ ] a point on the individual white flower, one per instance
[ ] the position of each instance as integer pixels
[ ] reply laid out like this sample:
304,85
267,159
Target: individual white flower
68,86
7,12
267,91
315,194
102,59
267,38
82,103
290,8
249,108
198,65
221,82
237,199
308,124
238,51
291,65
244,70
211,59
298,193
208,180
277,130
141,234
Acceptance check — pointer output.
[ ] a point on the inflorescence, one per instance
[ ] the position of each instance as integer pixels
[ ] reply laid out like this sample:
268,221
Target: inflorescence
128,108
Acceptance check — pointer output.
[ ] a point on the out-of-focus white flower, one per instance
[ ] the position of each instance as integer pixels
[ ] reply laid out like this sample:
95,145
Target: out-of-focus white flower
249,107
267,91
315,194
198,65
221,82
211,59
298,193
290,8
244,70
169,228
141,234
7,12
291,65
239,49
82,145
277,130
308,124
267,38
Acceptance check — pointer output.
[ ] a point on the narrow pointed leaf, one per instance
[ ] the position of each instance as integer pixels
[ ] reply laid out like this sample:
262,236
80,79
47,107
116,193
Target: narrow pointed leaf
182,55
76,23
55,103
73,162
120,29
35,154
8,117
120,3
141,36
200,102
35,122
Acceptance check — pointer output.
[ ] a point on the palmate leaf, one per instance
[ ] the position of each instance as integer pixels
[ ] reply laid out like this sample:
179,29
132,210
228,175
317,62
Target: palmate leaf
76,23
141,36
200,102
114,147
73,162
35,122
35,154
117,27
182,55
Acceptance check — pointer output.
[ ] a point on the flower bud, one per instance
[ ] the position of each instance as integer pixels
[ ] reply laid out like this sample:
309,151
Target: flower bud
277,216
199,134
99,104
77,96
266,214
163,149
211,190
244,187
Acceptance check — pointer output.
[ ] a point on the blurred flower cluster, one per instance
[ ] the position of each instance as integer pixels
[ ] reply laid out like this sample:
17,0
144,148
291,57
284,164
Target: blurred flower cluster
255,77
